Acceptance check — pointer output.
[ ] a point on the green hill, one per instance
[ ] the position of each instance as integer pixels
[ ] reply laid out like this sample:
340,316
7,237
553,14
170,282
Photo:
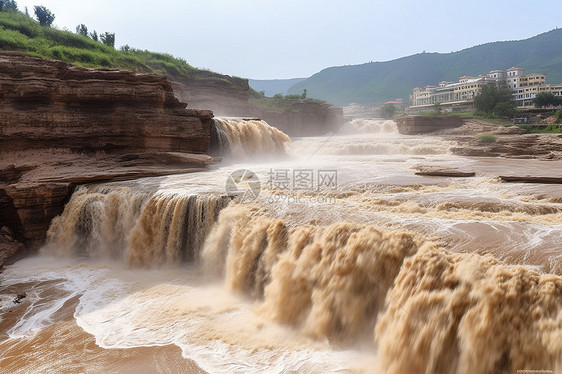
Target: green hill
377,82
22,33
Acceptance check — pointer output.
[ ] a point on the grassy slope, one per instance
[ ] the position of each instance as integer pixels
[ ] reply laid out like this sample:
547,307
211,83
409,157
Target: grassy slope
21,33
377,82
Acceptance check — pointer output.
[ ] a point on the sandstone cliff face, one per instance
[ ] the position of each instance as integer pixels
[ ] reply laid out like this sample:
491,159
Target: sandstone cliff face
33,194
228,97
28,210
48,103
305,119
9,246
224,95
134,119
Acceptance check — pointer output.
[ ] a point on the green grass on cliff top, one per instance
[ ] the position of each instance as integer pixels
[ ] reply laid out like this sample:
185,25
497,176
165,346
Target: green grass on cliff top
19,32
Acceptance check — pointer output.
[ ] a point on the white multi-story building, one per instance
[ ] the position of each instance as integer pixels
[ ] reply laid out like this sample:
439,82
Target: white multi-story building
461,94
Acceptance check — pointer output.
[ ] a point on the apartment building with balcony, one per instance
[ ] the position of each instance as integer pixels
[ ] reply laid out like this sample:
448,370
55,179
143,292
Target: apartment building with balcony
457,96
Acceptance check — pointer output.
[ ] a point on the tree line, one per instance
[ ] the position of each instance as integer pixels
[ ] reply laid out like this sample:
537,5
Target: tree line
46,18
107,38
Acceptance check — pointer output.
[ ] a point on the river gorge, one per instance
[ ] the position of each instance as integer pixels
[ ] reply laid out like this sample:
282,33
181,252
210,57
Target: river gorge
299,255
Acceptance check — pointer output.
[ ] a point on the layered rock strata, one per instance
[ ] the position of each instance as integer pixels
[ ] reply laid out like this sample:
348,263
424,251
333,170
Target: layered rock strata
307,118
35,189
62,125
49,103
228,97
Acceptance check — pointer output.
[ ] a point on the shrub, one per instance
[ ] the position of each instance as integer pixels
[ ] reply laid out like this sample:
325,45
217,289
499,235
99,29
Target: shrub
486,138
554,128
13,40
504,110
293,97
18,22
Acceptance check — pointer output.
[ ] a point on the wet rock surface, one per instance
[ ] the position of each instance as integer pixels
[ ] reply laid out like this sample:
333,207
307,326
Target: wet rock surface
29,203
62,125
8,245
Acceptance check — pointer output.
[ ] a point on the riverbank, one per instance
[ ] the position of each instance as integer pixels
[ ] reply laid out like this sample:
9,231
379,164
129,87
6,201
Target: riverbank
481,138
478,138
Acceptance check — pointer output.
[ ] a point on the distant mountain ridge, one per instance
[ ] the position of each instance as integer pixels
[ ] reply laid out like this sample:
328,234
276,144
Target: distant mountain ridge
274,86
378,82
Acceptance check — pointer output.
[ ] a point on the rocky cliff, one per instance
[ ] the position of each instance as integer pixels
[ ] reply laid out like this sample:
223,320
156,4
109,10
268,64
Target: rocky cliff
62,125
226,96
229,97
306,118
46,103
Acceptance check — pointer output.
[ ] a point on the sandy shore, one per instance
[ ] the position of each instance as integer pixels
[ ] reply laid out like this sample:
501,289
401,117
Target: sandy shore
64,347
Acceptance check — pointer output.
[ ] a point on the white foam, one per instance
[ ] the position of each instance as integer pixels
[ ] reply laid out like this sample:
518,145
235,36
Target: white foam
221,332
71,279
212,327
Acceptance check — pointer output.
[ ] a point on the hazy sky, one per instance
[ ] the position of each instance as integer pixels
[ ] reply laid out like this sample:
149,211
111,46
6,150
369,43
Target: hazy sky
267,39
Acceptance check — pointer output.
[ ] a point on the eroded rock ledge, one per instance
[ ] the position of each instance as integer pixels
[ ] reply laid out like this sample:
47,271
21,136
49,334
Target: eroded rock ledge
62,125
35,186
46,103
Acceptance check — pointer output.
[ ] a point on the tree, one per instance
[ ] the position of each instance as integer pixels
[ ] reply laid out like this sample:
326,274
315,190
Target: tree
303,96
546,99
388,111
125,48
504,110
492,95
94,36
108,39
82,30
44,16
438,108
8,4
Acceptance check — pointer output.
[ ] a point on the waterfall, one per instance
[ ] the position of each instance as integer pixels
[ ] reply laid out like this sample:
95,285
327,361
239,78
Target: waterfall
246,138
143,229
422,307
425,308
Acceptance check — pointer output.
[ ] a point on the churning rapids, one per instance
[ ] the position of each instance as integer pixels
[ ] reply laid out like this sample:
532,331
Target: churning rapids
346,261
